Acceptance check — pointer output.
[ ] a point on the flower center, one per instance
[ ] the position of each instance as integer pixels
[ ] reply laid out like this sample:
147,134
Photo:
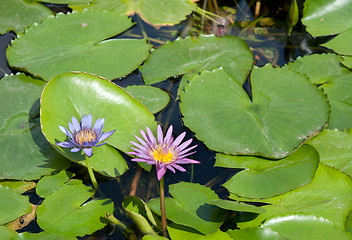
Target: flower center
85,135
162,155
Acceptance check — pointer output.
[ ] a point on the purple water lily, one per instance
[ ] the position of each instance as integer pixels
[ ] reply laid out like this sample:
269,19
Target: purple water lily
83,136
165,153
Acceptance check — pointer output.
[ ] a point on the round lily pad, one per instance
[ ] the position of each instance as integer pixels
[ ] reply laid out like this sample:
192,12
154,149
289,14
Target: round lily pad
26,154
285,109
79,46
79,94
195,54
341,43
67,212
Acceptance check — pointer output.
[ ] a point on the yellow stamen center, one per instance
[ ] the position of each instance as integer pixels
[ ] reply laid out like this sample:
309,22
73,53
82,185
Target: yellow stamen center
85,135
162,155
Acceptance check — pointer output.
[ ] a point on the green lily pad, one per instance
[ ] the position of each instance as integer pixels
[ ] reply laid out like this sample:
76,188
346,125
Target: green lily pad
12,205
195,54
256,233
140,213
153,98
326,17
79,94
341,43
16,15
152,237
336,81
41,236
67,212
79,46
335,149
236,206
179,234
285,110
297,227
328,196
156,12
66,1
48,184
26,154
264,178
7,233
18,186
189,207
319,68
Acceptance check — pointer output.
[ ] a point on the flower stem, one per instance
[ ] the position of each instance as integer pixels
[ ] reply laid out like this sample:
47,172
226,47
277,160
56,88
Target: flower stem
91,173
162,208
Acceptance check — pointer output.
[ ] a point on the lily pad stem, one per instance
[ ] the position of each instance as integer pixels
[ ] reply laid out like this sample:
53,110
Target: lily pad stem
91,173
162,208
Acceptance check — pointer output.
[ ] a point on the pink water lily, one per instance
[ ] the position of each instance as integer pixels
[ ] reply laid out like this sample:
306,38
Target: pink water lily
84,136
165,153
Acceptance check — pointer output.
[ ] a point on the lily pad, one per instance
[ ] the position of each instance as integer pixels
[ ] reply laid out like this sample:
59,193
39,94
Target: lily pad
341,43
153,98
285,110
326,17
179,234
256,233
48,184
26,154
67,95
297,227
18,186
66,1
264,178
335,149
12,205
79,46
16,15
189,207
236,206
156,12
41,236
195,54
67,212
7,233
328,196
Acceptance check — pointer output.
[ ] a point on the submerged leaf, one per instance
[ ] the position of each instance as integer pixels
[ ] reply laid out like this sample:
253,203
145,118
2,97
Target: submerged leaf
285,110
74,42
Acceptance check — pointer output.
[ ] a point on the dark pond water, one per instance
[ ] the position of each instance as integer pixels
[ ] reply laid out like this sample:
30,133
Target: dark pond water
268,43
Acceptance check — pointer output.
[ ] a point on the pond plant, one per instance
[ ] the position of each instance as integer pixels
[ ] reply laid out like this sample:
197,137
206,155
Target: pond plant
269,142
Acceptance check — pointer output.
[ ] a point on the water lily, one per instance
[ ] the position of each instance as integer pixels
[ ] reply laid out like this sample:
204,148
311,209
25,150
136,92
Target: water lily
84,136
165,153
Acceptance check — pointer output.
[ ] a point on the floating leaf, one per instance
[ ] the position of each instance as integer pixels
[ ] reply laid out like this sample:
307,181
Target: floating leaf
153,98
66,1
79,46
16,15
67,95
48,184
195,54
67,212
155,12
236,206
140,213
26,154
328,196
41,236
189,207
153,237
342,43
7,233
12,205
265,178
286,109
297,227
326,17
335,148
180,234
18,186
256,233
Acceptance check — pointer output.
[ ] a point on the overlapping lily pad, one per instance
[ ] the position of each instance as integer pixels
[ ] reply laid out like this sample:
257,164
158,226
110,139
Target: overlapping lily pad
285,110
26,154
155,12
328,196
7,233
341,43
41,236
67,212
153,98
49,184
16,15
188,207
74,42
179,234
195,54
256,233
327,17
264,178
79,94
